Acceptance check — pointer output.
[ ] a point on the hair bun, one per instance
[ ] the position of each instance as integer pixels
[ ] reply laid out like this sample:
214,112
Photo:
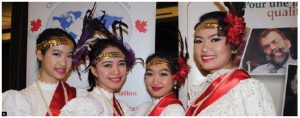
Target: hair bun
236,8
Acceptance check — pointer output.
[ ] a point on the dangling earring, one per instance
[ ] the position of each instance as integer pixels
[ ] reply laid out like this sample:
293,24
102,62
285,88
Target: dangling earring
175,87
234,51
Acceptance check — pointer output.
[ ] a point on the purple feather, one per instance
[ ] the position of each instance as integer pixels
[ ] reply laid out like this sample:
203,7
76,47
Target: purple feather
90,25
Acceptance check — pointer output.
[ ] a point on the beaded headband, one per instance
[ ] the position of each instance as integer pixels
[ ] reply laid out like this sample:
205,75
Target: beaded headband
106,55
209,24
158,62
54,42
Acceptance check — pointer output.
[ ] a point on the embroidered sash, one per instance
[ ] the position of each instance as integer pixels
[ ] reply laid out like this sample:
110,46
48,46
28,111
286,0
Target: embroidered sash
117,107
58,99
163,103
216,90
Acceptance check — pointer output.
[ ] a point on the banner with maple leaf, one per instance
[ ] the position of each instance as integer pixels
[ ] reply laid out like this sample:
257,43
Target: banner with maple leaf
140,36
35,25
141,26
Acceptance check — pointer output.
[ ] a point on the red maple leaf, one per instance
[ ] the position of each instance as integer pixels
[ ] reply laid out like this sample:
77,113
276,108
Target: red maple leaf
35,25
141,26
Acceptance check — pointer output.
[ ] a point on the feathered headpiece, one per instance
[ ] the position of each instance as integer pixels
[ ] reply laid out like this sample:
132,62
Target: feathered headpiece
183,68
94,29
236,28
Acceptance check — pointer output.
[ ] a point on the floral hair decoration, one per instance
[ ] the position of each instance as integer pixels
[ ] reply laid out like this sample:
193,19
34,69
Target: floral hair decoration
235,22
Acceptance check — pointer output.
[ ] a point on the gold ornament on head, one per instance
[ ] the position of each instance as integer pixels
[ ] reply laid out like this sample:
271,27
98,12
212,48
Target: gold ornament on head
106,55
158,62
209,24
54,42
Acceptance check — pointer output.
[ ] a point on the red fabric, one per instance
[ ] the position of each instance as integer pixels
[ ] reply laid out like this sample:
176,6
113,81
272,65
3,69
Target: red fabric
236,28
183,71
58,99
115,105
163,103
229,83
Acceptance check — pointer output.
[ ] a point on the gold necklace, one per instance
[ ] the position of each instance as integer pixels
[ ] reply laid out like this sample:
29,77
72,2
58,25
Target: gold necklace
43,98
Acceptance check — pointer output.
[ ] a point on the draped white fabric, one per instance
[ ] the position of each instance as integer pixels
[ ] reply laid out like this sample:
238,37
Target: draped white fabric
28,101
170,110
93,105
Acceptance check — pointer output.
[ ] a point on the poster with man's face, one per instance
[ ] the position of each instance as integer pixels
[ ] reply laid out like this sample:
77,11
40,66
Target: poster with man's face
270,50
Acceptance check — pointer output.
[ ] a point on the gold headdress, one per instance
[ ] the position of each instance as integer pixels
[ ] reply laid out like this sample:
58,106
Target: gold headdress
54,42
209,24
158,62
106,55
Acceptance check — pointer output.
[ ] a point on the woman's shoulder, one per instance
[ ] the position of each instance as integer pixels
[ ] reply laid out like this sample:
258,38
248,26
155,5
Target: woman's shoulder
9,93
83,101
251,82
173,110
82,105
142,109
15,103
145,105
13,94
252,85
257,97
81,92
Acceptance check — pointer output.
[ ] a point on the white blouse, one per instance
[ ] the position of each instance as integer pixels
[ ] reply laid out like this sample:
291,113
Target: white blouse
28,101
93,105
171,110
249,98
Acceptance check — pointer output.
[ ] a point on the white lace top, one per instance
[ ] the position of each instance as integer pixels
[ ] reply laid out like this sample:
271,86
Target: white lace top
28,101
249,98
170,110
93,105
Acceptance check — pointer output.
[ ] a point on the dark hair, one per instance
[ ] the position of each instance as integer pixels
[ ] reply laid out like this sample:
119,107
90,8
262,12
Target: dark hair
235,9
219,16
170,57
234,26
97,49
51,33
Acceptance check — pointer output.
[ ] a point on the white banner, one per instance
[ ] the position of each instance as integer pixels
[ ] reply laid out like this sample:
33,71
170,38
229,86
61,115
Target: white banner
140,18
257,15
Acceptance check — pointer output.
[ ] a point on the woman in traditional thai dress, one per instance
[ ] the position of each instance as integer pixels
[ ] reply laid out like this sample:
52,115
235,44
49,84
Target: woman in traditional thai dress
108,70
49,93
165,73
110,60
228,91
